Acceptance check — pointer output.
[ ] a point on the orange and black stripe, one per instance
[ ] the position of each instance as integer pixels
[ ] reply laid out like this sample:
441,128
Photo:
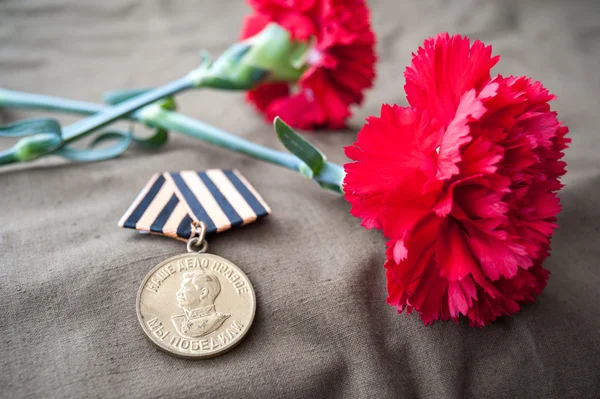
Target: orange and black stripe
170,202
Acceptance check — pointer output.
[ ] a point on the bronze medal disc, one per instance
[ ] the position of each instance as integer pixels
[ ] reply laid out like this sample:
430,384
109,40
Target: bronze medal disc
196,305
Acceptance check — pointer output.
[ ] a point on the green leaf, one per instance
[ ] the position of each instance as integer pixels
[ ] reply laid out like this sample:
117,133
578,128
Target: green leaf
160,137
257,74
40,136
205,59
29,127
114,97
231,71
331,177
306,171
123,140
238,51
274,50
298,146
298,58
37,145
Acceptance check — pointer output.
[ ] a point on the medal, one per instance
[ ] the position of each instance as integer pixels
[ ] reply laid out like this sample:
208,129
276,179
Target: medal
195,305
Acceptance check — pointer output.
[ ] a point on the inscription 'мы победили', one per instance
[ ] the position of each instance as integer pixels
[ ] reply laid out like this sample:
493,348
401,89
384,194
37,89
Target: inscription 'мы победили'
217,341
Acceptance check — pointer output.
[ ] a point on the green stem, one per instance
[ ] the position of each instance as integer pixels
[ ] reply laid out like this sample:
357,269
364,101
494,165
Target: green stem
7,156
153,115
111,114
17,99
192,127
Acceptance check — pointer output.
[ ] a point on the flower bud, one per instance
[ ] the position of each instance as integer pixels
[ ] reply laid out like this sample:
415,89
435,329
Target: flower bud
273,50
33,147
269,55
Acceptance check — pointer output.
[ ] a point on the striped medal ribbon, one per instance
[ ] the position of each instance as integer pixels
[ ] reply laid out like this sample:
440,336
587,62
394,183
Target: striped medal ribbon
195,305
171,202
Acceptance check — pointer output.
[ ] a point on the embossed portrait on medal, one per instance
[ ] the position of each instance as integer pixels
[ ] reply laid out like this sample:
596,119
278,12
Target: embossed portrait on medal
196,297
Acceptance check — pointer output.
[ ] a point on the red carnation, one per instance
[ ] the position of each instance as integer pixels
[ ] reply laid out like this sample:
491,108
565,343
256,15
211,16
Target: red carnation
463,183
341,63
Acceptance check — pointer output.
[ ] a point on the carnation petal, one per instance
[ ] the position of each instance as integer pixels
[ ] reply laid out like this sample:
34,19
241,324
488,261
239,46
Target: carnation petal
452,253
457,134
266,94
253,24
496,256
480,157
456,300
443,70
400,251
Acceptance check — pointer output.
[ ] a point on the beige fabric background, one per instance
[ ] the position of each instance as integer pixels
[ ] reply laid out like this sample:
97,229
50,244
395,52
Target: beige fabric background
69,276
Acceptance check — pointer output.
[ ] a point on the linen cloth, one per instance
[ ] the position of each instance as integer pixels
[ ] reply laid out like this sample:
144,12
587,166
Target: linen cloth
69,275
